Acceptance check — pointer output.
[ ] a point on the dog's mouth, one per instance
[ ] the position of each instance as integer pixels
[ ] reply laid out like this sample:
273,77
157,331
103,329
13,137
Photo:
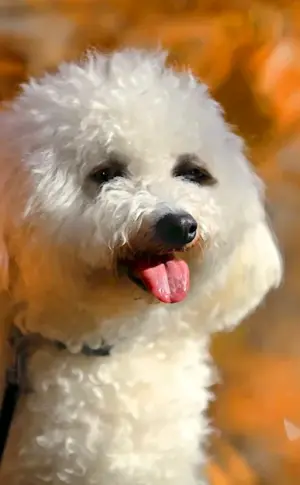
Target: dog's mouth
165,276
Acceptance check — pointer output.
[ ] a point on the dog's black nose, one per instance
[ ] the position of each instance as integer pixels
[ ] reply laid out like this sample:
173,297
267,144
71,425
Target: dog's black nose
175,230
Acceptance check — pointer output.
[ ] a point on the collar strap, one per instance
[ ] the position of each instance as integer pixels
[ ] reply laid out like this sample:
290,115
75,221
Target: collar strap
102,351
23,345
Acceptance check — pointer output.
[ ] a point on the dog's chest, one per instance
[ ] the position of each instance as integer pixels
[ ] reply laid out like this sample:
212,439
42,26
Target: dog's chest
136,412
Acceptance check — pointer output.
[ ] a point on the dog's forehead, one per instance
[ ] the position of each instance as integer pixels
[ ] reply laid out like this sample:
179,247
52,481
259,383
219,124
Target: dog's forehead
147,122
143,134
132,105
154,124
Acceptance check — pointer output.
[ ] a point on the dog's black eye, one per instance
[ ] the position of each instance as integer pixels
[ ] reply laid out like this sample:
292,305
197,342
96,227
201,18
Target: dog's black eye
104,173
188,168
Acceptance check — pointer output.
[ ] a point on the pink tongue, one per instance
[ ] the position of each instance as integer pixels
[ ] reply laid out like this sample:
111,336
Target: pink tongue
167,279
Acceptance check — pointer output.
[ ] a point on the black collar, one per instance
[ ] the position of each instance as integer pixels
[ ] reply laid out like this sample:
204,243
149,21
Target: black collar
103,351
22,346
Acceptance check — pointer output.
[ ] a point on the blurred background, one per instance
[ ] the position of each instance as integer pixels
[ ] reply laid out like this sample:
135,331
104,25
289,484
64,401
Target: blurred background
248,52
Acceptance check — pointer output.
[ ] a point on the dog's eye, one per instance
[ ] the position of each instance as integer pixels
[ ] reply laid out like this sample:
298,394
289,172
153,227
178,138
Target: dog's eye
104,173
187,168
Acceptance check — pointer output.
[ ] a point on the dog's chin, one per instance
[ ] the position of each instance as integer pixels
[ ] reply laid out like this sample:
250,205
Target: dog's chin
164,276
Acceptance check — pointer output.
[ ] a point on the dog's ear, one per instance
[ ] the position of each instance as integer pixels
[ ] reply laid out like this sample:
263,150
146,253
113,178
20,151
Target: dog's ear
254,267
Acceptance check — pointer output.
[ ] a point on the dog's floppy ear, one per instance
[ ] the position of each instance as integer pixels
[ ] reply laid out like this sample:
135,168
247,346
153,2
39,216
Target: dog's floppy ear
254,267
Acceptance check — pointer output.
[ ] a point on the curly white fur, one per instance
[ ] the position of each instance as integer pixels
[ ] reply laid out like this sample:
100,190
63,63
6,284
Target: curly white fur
136,417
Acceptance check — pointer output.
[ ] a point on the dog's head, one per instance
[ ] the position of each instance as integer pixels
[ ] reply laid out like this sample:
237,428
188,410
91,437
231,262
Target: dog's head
129,170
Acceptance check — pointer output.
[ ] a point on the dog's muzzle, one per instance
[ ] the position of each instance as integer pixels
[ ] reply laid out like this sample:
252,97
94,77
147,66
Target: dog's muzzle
159,267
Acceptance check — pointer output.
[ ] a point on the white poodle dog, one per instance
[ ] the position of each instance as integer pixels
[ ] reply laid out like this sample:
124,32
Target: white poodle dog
122,191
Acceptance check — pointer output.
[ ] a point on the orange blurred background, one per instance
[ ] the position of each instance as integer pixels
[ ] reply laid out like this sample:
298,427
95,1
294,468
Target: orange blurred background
248,52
